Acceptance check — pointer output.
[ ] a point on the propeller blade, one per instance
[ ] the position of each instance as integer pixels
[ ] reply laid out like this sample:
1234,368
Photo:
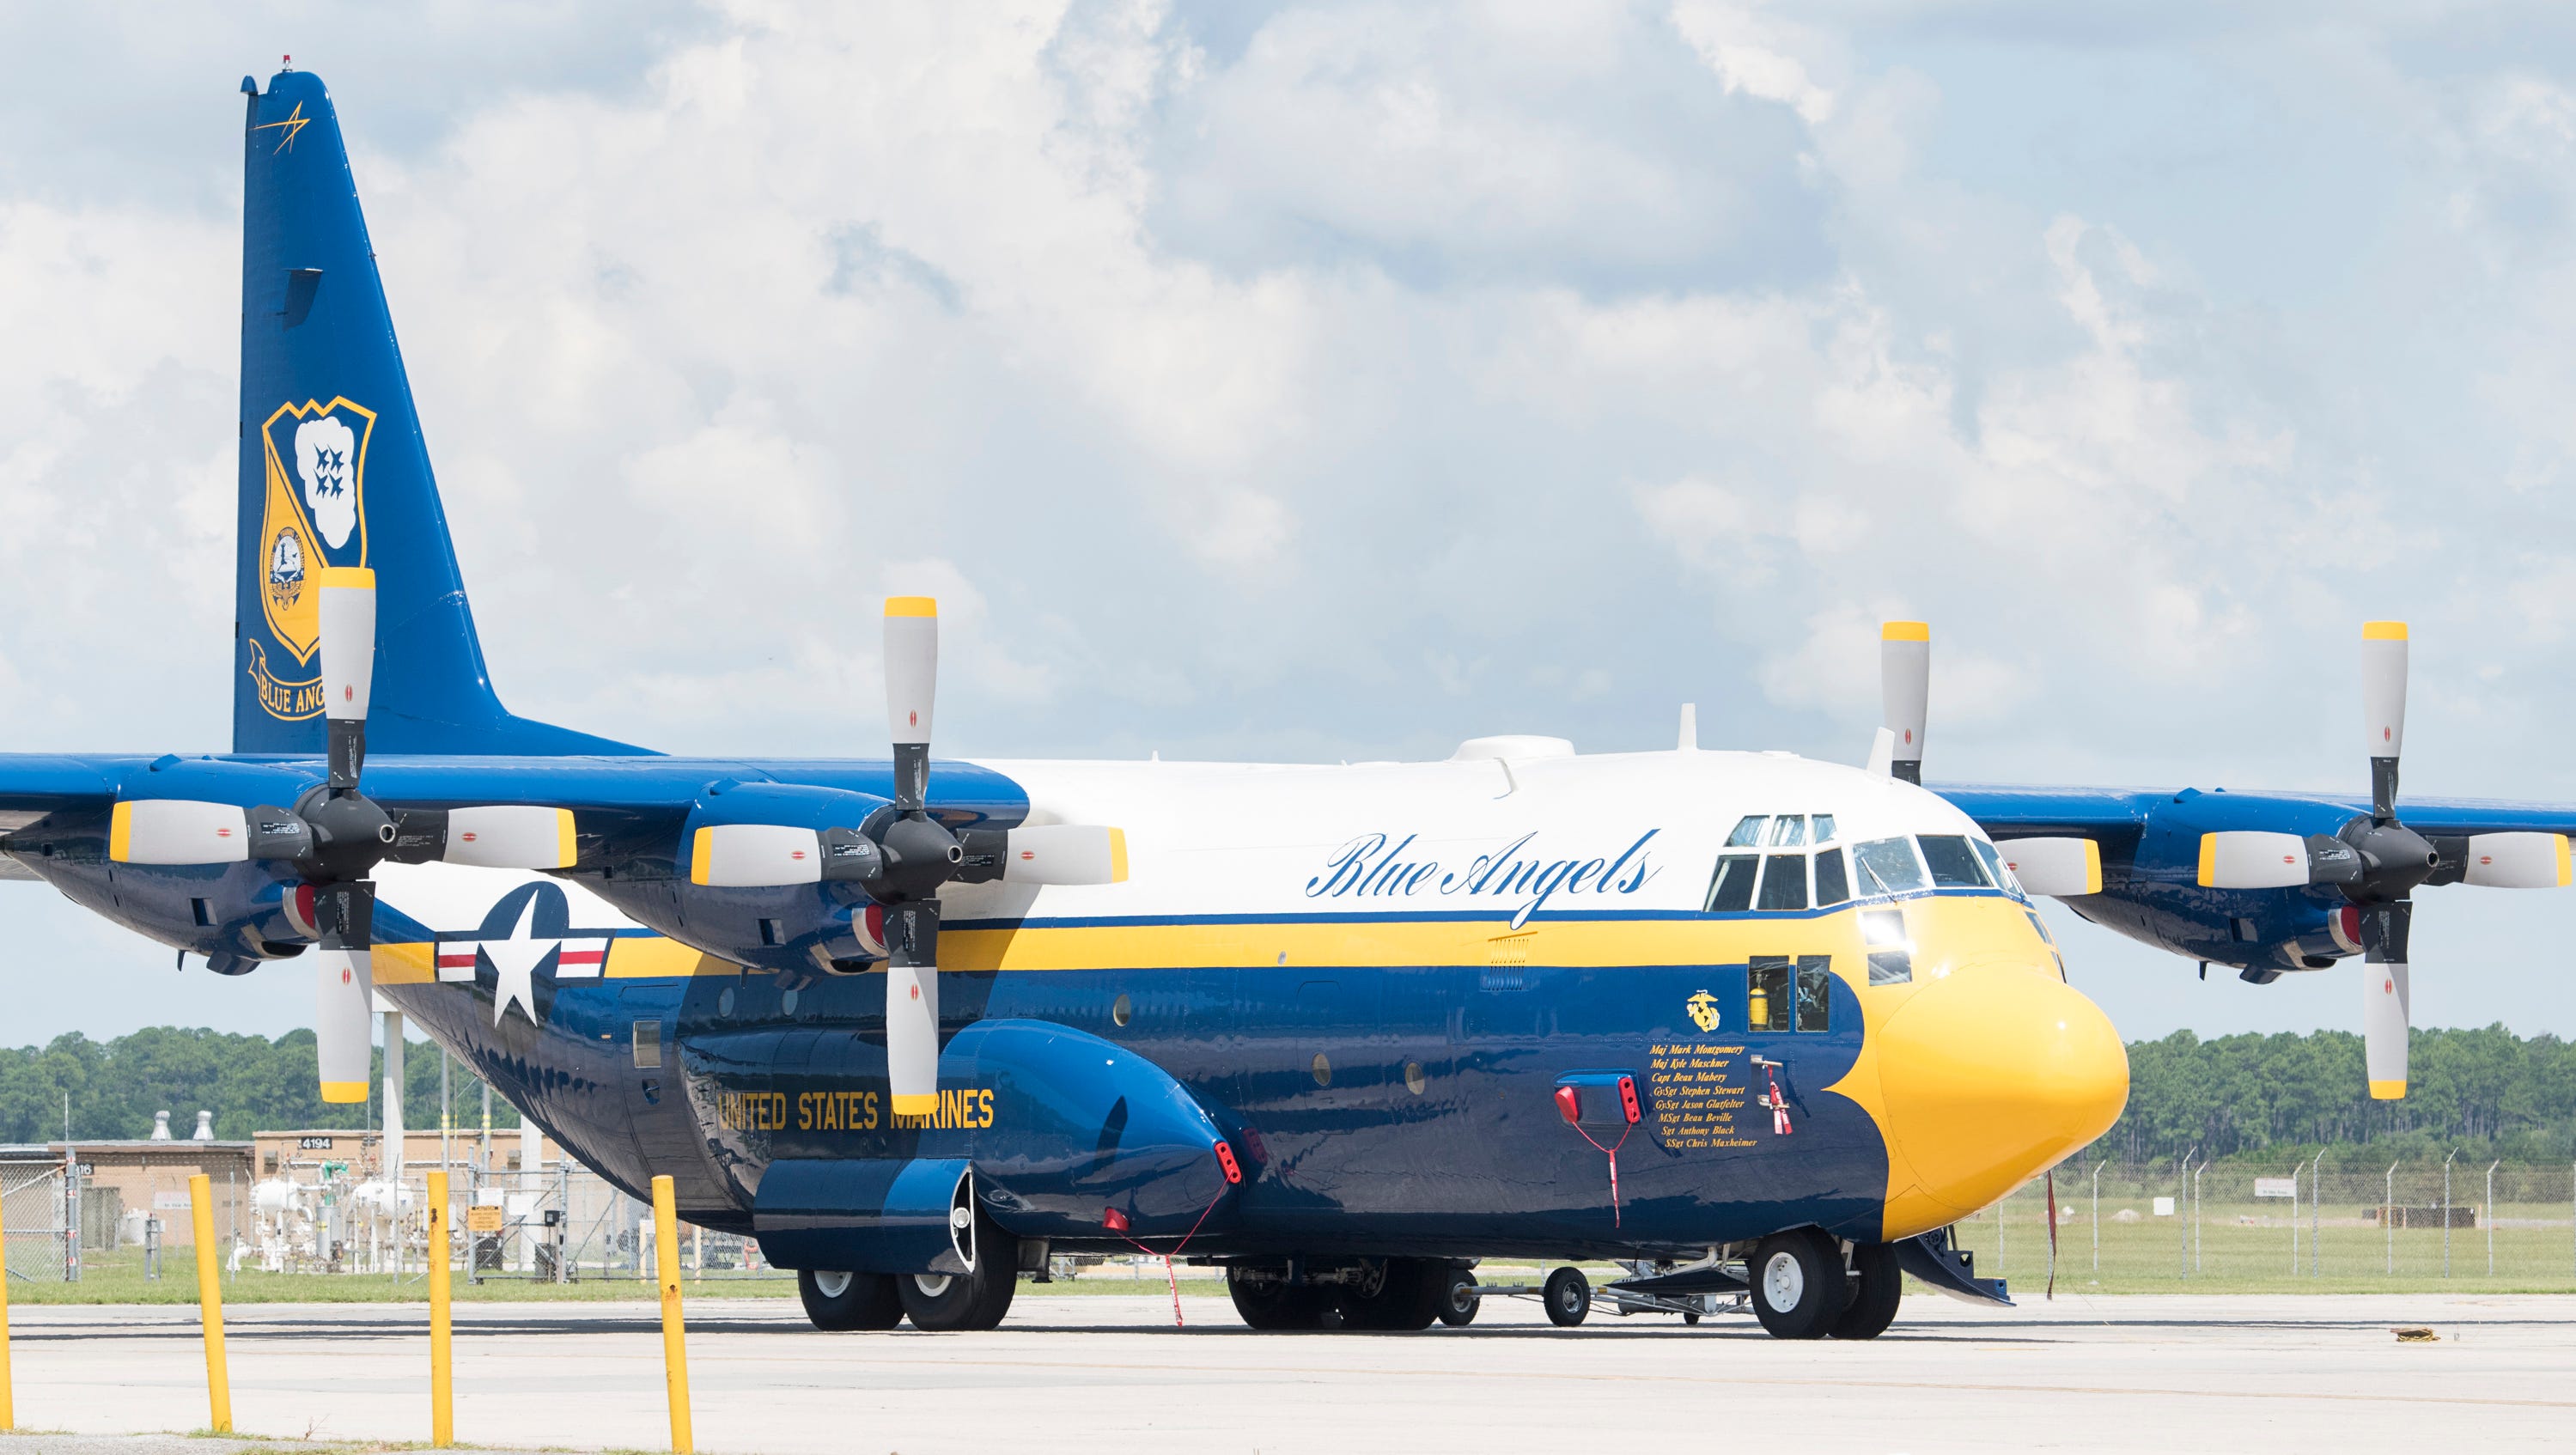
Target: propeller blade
2059,868
912,1005
1064,854
188,831
2384,930
348,651
177,831
2252,859
2516,861
755,856
1905,690
509,836
344,989
911,681
2383,709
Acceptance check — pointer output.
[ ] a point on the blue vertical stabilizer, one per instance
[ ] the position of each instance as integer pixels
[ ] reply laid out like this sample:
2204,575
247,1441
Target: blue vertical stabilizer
334,471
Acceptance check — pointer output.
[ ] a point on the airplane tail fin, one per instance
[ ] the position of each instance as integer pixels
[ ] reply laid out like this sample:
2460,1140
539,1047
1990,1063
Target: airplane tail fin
334,471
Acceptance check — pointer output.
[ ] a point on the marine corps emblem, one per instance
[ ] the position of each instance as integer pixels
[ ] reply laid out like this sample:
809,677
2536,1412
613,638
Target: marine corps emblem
316,516
1703,1010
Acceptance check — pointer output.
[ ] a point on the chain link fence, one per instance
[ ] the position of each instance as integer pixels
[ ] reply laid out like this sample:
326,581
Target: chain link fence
39,1220
2250,1226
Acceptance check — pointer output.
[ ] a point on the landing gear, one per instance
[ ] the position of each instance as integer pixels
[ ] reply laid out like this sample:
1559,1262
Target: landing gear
1458,1297
974,1300
1272,1303
1874,1296
1568,1297
846,1301
1401,1295
1799,1288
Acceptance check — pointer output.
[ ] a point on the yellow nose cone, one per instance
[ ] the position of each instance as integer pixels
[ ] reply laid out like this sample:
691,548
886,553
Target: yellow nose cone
1992,1073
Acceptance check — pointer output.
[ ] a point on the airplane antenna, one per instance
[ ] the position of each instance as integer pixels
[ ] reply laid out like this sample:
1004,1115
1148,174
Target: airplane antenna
1690,729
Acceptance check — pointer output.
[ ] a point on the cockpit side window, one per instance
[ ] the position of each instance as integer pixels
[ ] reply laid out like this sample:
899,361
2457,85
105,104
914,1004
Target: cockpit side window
1748,832
1731,888
1784,882
1833,886
1788,831
1824,829
1886,866
1954,865
2049,940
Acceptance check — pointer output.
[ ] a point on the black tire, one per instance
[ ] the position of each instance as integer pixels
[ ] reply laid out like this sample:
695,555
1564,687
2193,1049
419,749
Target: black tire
1875,1296
1458,1298
1799,1287
1405,1298
971,1301
1690,1318
845,1301
1568,1296
1272,1304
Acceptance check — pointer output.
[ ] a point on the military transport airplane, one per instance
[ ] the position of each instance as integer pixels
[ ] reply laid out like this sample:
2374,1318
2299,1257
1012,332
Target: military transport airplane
1763,1025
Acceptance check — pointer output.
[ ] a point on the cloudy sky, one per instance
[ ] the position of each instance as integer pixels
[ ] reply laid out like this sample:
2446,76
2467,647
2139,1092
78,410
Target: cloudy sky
1343,380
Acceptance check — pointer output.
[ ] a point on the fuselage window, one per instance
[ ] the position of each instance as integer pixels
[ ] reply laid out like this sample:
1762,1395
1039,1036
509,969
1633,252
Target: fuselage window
1788,831
1891,954
1767,996
1885,866
1732,886
1748,832
1815,1004
1824,829
1954,865
1832,886
1998,871
1784,882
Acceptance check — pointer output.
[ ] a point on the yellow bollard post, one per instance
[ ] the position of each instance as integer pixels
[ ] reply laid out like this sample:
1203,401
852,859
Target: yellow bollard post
210,1304
442,1363
675,1353
8,1405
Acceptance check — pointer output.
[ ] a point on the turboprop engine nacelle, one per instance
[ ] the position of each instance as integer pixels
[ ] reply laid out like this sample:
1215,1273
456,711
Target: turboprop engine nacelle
771,875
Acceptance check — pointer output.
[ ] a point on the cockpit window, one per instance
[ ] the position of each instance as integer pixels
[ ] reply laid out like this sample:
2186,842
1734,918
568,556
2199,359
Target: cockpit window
1731,888
1997,870
1832,885
1788,831
1784,882
1954,866
2049,940
1824,829
1886,866
1748,832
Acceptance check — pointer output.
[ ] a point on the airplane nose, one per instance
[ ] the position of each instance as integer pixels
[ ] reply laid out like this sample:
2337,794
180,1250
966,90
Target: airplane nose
1992,1073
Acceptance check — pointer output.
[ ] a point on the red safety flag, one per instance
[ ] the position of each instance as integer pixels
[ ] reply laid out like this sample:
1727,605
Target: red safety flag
1779,1106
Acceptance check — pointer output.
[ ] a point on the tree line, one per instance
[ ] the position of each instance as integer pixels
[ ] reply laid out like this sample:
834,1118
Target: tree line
249,1082
2280,1096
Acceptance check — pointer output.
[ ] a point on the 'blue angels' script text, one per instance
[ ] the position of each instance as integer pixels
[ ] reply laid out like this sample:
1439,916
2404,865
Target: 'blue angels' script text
1367,868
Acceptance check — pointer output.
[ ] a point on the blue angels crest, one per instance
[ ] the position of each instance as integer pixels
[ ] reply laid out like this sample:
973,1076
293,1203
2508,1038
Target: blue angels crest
315,516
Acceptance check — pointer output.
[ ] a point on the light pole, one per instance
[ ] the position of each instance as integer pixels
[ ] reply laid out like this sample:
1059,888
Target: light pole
2446,1212
2388,1216
2196,1174
2490,1214
2316,1213
2097,1212
2182,1194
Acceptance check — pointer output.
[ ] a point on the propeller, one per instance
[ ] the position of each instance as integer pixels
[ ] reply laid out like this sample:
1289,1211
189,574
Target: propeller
2378,862
335,836
1905,691
903,857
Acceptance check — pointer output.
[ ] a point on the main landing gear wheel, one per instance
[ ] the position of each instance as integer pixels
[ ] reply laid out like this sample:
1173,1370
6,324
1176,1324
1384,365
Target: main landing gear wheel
1273,1304
1458,1298
1799,1288
1568,1296
844,1301
970,1301
1875,1296
1404,1298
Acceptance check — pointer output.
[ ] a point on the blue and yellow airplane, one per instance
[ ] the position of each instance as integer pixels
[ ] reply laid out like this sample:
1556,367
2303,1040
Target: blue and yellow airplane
1762,1026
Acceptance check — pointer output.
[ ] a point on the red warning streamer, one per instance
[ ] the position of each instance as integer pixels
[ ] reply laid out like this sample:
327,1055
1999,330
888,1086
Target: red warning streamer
1116,1222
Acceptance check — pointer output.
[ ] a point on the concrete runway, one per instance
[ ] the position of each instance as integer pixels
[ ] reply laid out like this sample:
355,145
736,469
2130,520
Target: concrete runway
1111,1374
